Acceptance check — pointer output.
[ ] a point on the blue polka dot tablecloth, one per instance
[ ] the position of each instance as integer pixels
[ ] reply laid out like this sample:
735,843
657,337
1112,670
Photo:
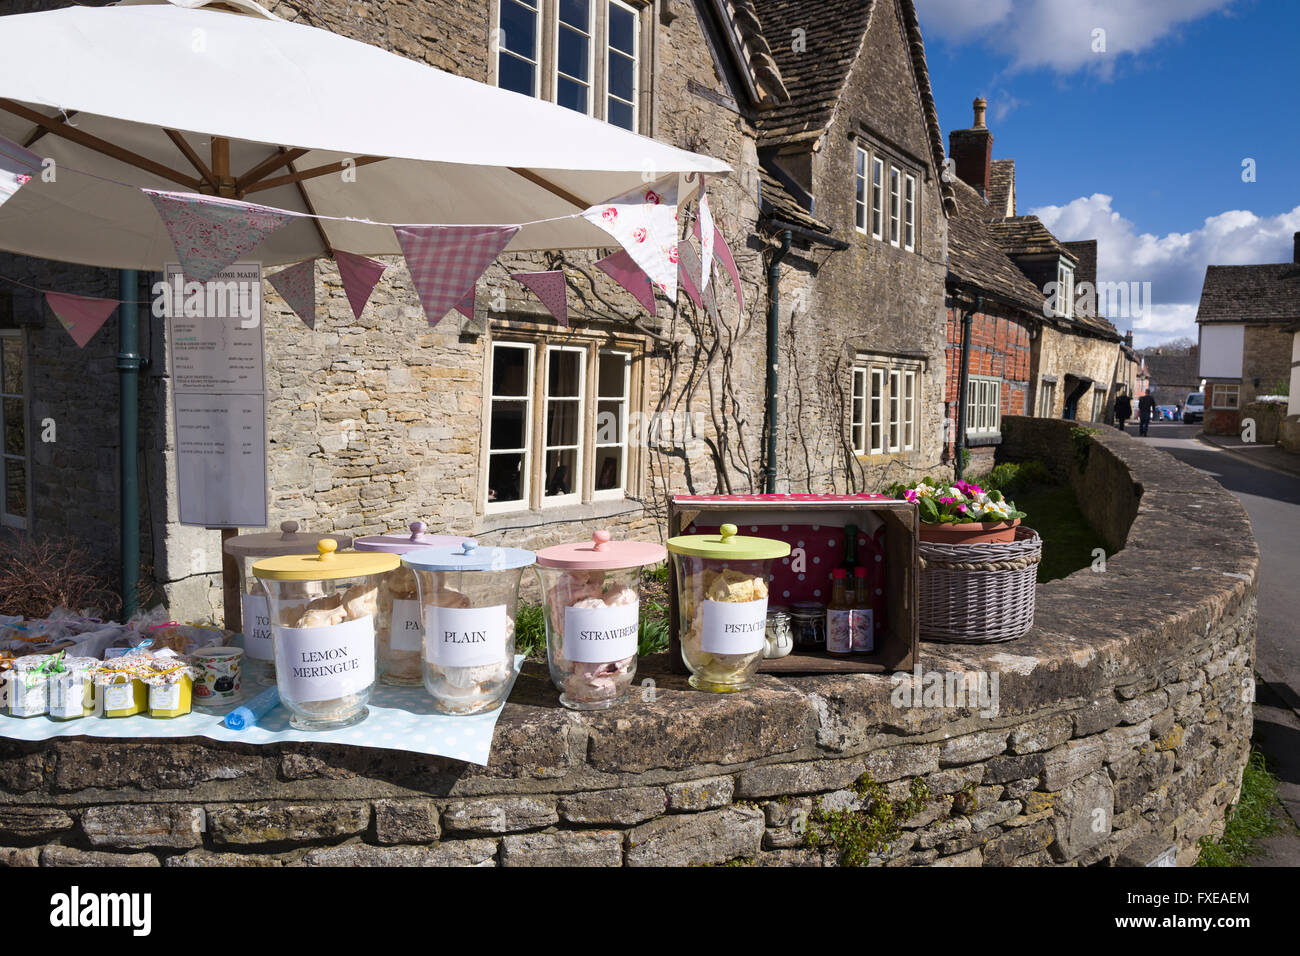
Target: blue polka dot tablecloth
401,718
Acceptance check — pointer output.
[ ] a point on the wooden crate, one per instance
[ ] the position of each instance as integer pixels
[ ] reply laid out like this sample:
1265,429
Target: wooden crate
766,516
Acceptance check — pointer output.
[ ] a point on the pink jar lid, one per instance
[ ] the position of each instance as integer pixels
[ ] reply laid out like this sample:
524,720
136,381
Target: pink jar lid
417,540
600,553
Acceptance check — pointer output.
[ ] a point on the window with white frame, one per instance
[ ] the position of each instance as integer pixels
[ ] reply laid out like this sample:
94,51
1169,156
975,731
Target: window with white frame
983,405
15,464
877,198
1047,400
1064,289
895,204
1098,405
1223,396
909,213
886,396
860,203
561,413
585,55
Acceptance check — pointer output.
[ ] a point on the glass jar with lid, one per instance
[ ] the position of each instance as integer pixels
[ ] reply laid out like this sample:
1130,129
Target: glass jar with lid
722,604
259,659
400,625
324,608
468,596
592,596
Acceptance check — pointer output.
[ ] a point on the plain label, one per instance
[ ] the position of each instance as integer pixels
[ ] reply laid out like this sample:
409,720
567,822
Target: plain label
600,635
325,663
465,636
730,627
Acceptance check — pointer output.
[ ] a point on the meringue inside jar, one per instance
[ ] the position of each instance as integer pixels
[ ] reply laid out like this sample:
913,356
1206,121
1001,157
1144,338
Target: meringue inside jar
592,624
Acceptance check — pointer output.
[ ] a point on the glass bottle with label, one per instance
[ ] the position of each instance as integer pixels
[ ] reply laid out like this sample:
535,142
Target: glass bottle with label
255,616
592,598
861,621
400,624
722,592
839,615
323,623
468,597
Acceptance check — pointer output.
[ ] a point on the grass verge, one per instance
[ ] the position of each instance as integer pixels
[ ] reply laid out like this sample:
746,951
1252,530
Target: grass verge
1256,815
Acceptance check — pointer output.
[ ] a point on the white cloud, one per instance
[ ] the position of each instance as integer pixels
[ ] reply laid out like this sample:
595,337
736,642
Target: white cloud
1174,263
1061,34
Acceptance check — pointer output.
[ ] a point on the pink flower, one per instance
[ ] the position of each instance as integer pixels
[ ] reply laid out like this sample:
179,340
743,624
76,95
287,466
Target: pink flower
652,197
639,234
23,180
610,214
672,254
911,495
947,499
961,508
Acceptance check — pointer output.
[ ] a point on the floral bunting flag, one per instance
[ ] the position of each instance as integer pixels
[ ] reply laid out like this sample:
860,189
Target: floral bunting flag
297,286
550,288
80,315
210,232
723,253
17,166
466,305
644,221
446,261
628,274
706,229
360,276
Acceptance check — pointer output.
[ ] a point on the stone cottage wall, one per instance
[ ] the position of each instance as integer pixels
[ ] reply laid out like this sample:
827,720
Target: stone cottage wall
1061,353
1118,730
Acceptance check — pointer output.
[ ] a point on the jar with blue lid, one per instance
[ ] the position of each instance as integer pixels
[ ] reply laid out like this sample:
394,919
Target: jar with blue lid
468,596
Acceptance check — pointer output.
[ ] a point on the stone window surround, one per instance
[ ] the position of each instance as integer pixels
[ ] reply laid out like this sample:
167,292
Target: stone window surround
587,502
889,371
598,89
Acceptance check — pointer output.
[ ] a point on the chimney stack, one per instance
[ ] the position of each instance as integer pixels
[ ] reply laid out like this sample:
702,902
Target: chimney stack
972,150
1295,248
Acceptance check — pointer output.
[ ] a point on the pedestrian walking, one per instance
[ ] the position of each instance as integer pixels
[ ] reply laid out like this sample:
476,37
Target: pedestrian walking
1123,410
1146,405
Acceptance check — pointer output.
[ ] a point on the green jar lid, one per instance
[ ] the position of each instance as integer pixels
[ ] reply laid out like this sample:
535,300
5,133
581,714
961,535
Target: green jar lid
728,546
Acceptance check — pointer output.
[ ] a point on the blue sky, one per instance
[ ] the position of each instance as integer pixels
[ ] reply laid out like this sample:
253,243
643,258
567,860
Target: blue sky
1140,145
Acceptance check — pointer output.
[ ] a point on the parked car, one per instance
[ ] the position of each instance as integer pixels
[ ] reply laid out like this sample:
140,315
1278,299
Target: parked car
1194,408
1166,413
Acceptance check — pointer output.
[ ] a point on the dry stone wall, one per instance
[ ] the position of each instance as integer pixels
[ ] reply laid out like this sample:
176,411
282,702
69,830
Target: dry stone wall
1116,730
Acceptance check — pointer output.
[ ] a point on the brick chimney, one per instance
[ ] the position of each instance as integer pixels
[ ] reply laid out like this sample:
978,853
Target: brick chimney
972,150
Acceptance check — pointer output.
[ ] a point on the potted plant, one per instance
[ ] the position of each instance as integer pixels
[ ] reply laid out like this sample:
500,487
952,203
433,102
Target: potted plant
960,513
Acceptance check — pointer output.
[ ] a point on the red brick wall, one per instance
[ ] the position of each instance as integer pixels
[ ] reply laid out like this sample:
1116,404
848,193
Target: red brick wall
999,348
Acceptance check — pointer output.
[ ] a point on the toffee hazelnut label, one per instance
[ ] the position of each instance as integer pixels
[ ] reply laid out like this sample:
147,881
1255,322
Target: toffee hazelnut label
733,627
465,636
257,628
600,635
165,697
325,663
405,631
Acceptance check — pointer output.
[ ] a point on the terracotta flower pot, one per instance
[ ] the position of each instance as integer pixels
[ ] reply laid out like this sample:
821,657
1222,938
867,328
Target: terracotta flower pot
970,532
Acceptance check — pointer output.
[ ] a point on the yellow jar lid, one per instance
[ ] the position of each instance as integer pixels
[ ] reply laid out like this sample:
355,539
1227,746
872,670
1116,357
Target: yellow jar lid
325,566
727,545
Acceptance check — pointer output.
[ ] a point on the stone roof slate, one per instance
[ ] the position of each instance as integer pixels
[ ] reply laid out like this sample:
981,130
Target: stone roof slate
1263,293
976,257
1002,181
1026,236
780,203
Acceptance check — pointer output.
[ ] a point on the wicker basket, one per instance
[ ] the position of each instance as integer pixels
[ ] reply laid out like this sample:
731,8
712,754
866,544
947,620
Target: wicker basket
979,593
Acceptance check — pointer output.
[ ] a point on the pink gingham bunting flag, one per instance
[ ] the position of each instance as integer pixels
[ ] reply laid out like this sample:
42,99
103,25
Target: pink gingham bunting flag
628,274
210,232
723,253
550,288
644,221
297,286
17,166
466,305
80,315
446,261
360,276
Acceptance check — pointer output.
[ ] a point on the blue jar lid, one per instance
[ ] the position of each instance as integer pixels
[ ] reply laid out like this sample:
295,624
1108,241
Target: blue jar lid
468,556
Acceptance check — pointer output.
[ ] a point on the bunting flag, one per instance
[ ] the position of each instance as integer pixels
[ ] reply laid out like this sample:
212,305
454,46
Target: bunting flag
644,221
628,274
466,305
360,276
550,288
17,166
446,261
297,286
723,253
210,232
688,267
80,315
705,228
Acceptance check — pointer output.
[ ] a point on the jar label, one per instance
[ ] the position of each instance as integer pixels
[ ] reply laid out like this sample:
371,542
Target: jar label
601,635
465,636
325,663
405,632
257,628
67,695
839,632
119,696
731,627
864,631
165,696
